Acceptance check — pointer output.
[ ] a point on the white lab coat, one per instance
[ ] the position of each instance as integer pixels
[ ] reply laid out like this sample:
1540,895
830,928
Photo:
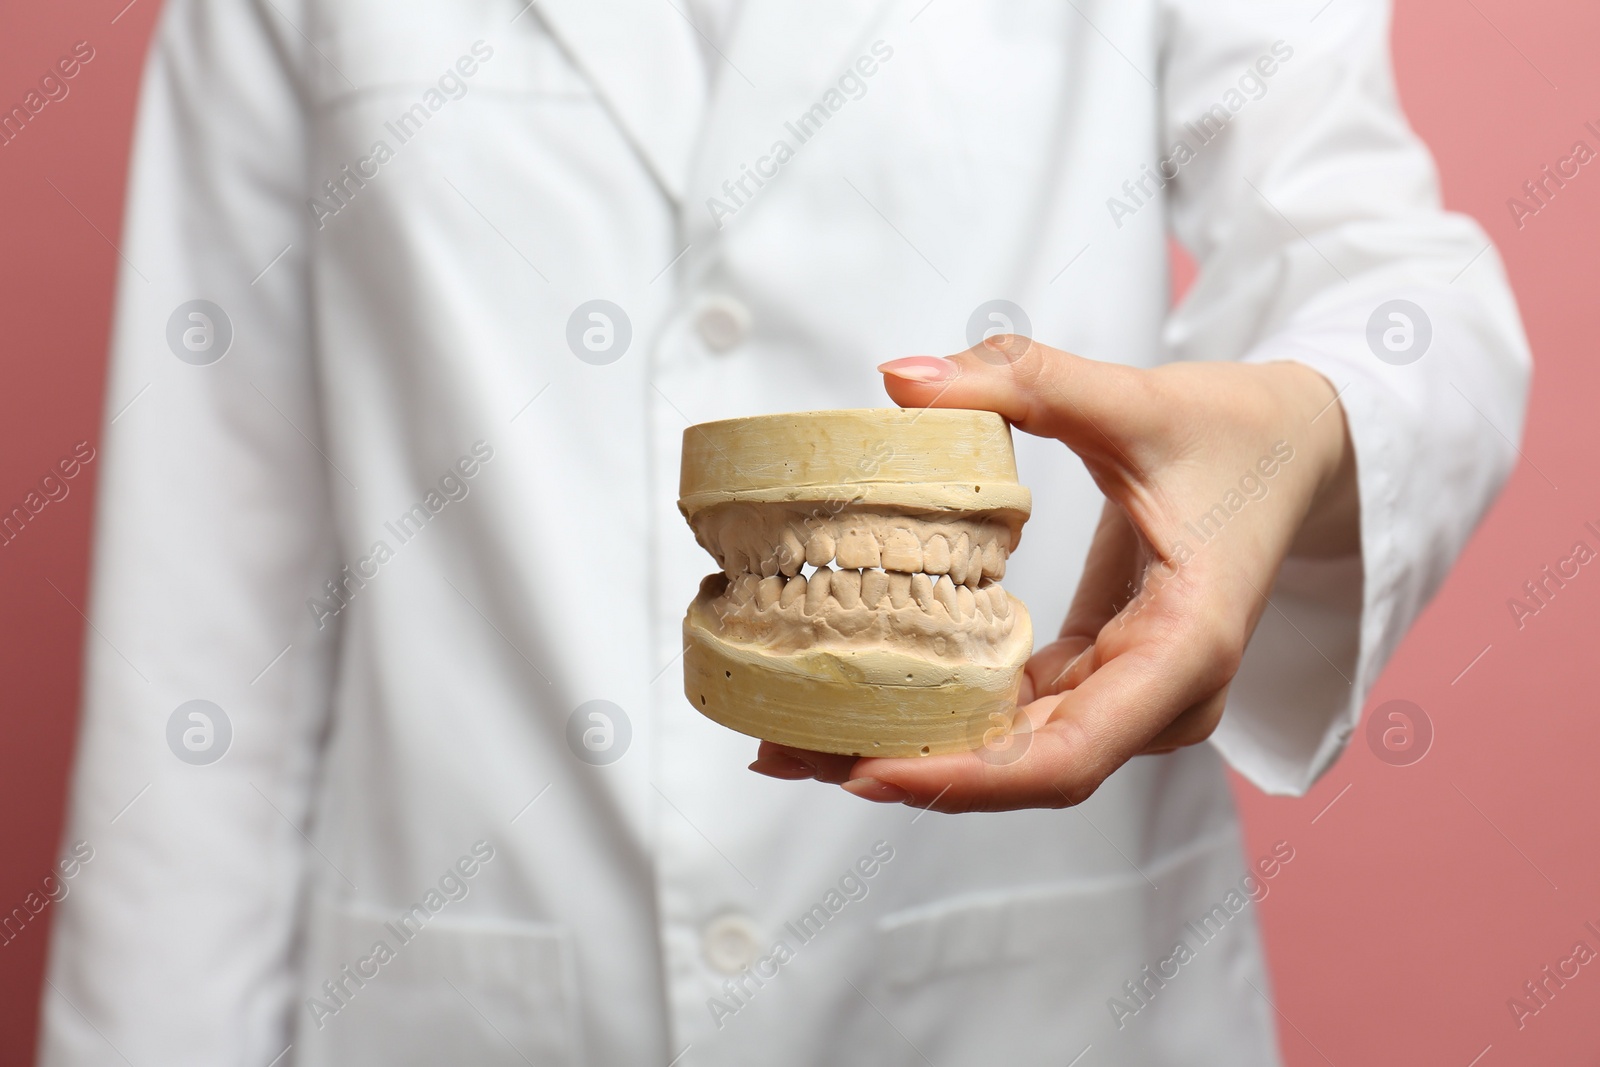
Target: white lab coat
375,743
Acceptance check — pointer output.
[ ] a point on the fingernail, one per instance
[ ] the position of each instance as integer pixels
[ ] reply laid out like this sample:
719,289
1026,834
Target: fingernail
881,792
920,369
786,767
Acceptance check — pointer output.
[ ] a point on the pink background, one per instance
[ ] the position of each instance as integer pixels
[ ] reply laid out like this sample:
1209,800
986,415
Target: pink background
1421,897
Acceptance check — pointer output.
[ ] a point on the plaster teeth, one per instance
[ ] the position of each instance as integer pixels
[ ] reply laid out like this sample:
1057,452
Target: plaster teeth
819,549
791,554
902,551
877,573
994,560
960,558
846,588
858,549
817,589
874,587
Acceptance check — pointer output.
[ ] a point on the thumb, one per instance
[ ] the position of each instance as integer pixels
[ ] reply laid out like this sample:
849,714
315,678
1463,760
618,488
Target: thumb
1096,409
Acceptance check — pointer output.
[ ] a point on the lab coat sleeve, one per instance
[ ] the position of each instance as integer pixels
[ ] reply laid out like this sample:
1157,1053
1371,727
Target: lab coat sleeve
213,529
1309,205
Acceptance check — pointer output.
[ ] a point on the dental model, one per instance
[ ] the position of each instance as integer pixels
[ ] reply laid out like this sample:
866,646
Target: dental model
859,608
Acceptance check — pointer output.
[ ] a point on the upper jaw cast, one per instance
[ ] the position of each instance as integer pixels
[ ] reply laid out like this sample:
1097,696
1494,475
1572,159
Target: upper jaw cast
769,539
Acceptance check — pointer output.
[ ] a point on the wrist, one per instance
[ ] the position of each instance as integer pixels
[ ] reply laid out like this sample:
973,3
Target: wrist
1331,525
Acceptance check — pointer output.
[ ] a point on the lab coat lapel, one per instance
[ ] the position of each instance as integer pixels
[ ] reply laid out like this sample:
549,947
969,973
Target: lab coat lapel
784,56
643,58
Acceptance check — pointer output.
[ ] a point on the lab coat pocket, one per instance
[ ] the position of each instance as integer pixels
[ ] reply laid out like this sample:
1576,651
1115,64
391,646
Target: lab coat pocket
433,54
1029,975
378,990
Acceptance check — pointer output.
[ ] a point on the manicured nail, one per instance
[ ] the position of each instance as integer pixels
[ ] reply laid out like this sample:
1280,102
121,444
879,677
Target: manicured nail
788,768
872,789
920,369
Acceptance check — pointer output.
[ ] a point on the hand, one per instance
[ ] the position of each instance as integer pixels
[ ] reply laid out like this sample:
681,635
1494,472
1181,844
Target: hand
1213,473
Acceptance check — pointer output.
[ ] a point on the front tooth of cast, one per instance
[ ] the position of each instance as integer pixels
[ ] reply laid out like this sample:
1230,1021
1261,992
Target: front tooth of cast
874,586
846,588
791,554
819,549
980,600
768,591
767,563
960,557
858,549
969,603
975,567
794,590
991,557
902,552
922,591
945,593
1000,600
899,588
817,590
936,555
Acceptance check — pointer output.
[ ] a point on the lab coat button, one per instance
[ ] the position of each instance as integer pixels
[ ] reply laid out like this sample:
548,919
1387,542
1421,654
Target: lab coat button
731,943
723,322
